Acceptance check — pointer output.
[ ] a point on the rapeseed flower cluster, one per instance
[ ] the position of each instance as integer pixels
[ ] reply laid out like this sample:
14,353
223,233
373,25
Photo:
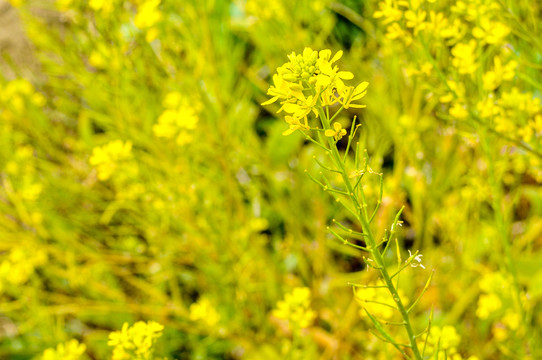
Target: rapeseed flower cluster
464,55
107,158
70,350
18,95
23,175
135,342
444,341
494,287
147,17
376,300
19,265
204,312
296,308
494,305
179,119
307,83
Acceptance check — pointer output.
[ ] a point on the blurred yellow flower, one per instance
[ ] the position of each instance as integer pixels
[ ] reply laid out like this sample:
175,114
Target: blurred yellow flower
107,157
493,78
295,308
204,312
135,342
148,14
71,350
488,304
376,301
178,120
465,57
491,32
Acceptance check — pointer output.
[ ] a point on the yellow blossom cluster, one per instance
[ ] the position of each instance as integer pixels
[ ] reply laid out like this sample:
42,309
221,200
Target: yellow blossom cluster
310,81
178,120
135,342
493,305
16,96
204,313
463,52
442,343
296,308
19,265
23,175
104,7
261,9
493,286
70,350
107,158
376,300
147,17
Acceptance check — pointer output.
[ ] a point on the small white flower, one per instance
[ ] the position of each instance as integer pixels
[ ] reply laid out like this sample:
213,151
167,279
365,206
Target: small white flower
417,258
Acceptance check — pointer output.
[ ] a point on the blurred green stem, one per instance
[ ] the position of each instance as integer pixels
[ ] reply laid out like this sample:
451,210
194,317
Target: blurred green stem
503,229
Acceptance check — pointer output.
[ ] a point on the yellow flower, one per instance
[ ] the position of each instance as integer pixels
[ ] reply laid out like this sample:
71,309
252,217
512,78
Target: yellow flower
395,31
446,339
282,89
295,308
107,157
105,6
459,111
148,14
464,57
376,301
20,265
302,107
135,342
70,350
487,304
491,32
178,120
493,79
310,81
488,107
389,11
337,132
415,20
300,67
349,94
295,124
204,312
453,31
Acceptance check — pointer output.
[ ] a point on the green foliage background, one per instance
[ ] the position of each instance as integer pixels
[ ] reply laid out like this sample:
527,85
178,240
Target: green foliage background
231,216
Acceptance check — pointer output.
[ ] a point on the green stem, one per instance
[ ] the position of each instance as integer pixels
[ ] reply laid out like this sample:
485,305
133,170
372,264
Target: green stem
371,243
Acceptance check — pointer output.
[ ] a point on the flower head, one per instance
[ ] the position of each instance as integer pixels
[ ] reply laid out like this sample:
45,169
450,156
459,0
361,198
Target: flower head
70,350
296,308
107,157
337,132
310,81
135,342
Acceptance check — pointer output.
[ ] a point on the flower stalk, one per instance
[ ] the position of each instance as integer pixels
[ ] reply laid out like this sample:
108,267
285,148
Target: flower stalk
307,86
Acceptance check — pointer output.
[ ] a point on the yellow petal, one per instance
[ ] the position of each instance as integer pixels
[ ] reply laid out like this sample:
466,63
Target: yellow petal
329,133
290,108
337,56
288,132
337,127
270,101
325,54
346,75
356,106
361,87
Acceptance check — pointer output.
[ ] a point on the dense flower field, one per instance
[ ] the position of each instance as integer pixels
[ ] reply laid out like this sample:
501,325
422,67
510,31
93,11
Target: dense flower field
260,180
